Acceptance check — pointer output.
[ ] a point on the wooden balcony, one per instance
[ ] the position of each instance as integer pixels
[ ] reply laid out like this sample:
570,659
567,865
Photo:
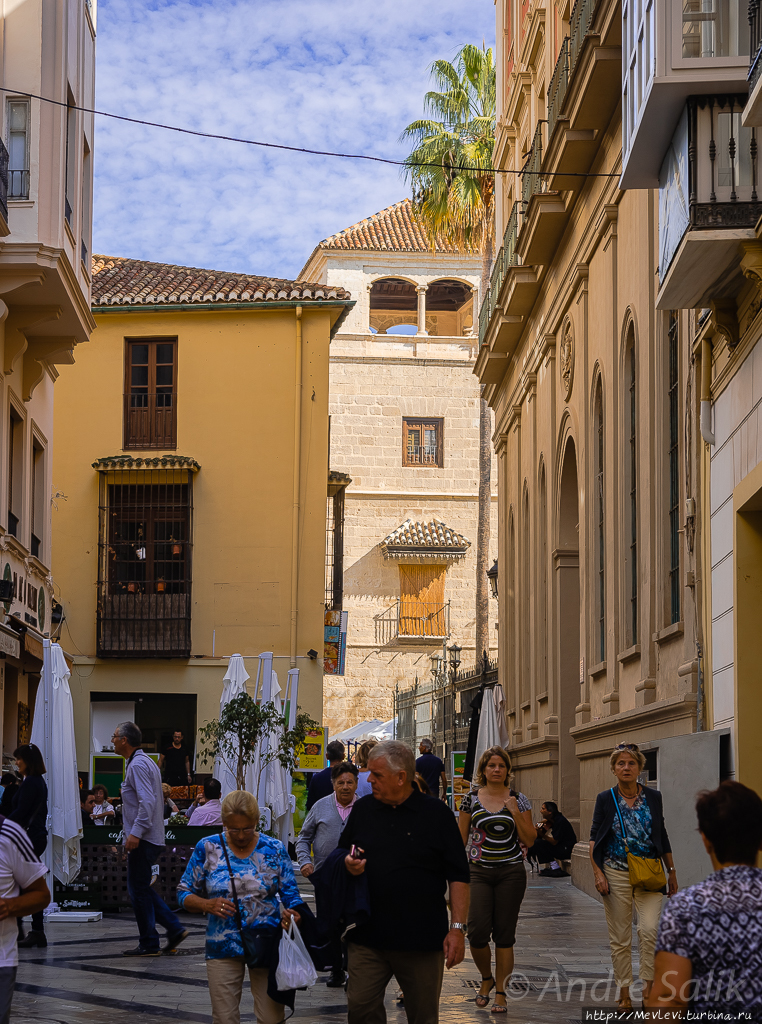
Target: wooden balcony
134,624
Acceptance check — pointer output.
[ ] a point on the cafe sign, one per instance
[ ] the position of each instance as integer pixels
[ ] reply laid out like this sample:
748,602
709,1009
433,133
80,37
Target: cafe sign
9,645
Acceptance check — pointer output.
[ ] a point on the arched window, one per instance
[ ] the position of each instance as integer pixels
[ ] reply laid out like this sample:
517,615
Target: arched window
631,478
600,522
526,563
542,674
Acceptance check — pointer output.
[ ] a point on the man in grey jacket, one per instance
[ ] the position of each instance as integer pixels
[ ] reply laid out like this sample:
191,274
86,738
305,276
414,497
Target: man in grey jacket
143,818
319,836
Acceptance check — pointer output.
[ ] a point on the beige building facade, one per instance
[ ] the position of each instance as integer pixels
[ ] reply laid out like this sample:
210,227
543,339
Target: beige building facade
405,428
596,402
45,229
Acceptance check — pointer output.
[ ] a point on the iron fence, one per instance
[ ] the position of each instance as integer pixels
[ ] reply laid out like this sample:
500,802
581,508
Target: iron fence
559,83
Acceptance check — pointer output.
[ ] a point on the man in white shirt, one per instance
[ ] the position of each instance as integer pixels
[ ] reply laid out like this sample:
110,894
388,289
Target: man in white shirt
210,811
23,891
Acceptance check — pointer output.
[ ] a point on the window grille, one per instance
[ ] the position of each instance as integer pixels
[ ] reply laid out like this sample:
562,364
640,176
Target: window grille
422,442
674,469
334,552
633,497
144,579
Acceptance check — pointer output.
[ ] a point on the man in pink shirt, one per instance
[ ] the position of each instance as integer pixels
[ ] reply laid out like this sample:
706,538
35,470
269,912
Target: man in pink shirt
210,811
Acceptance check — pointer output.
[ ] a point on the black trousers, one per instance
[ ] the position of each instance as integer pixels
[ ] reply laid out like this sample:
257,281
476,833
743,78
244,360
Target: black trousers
543,852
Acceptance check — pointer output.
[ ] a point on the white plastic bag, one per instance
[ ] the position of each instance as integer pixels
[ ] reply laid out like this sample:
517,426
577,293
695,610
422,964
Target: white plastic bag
295,968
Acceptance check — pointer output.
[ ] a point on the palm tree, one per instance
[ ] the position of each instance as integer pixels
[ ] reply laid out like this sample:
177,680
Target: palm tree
453,185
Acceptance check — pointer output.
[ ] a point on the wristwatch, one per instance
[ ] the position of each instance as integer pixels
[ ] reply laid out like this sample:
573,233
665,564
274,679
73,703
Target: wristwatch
459,925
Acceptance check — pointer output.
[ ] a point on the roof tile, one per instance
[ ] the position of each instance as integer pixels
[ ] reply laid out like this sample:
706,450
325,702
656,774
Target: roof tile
395,229
119,281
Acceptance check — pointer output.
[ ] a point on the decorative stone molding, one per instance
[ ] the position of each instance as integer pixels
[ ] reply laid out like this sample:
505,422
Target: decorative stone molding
724,320
751,264
566,361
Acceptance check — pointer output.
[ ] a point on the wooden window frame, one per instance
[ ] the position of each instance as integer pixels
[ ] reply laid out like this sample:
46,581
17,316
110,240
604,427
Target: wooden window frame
437,422
157,428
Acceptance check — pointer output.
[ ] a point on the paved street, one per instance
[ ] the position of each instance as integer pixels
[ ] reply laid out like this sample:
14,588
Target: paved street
81,978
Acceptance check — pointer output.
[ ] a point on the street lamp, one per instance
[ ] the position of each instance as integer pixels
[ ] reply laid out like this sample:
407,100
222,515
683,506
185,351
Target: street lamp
454,652
492,577
436,662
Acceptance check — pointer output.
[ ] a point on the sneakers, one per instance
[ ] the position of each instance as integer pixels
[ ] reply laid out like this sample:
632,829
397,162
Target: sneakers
173,941
139,951
337,980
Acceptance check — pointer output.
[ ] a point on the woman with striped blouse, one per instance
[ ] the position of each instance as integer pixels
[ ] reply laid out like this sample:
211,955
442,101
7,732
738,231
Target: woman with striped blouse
493,821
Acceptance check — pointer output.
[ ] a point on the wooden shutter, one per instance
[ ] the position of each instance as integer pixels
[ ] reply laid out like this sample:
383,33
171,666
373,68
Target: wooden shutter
422,600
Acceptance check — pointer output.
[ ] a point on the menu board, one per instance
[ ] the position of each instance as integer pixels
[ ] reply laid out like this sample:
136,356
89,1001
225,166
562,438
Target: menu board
459,785
311,755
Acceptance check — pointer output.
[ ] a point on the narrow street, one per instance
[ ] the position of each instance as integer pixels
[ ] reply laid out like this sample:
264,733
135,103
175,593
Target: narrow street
81,978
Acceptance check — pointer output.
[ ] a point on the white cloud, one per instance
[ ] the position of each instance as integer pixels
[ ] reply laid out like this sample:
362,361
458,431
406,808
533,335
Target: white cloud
344,75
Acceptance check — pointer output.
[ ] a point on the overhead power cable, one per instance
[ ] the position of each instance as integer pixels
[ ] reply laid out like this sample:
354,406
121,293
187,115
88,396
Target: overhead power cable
302,149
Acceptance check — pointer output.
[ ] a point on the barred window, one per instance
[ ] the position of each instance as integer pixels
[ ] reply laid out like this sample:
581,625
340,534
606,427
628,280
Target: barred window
145,564
422,442
600,524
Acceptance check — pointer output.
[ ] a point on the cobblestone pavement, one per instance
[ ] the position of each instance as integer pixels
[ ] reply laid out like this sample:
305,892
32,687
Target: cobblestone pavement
82,978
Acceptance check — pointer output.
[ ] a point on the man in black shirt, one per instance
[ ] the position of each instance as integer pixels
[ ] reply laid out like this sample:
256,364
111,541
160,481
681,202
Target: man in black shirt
321,783
555,839
174,763
431,768
409,848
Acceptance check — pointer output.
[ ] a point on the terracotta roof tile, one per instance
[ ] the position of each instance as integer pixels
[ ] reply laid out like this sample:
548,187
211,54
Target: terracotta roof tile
432,538
395,229
118,281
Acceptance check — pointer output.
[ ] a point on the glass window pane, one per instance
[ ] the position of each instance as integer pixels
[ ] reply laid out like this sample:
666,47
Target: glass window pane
164,353
139,354
18,116
17,151
164,376
139,376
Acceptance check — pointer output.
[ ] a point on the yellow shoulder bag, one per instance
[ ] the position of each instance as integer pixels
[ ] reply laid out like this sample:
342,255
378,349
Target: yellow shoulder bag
646,872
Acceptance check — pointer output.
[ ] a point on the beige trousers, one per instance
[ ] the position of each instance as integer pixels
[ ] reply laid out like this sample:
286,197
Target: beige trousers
226,986
618,905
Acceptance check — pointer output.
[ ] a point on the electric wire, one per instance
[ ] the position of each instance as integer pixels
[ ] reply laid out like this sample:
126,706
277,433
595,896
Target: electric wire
302,149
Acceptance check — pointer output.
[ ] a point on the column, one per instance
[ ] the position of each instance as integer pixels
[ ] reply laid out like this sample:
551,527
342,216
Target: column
421,289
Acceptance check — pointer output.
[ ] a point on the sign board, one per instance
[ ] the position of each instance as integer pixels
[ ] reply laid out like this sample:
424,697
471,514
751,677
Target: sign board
299,785
311,756
335,643
459,786
9,644
77,895
177,835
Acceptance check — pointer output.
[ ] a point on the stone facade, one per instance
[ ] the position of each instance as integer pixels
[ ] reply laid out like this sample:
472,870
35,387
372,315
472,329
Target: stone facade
376,381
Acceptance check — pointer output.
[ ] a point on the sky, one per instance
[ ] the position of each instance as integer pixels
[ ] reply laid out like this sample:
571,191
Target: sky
341,75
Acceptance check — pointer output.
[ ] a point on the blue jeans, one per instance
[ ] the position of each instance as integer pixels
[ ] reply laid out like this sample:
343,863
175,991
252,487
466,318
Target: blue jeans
149,907
7,983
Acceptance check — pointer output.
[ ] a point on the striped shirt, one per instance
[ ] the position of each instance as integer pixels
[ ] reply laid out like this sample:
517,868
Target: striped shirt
494,838
19,867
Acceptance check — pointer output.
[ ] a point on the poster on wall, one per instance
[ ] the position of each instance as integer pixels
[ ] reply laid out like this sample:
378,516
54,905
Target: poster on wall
459,786
335,643
311,756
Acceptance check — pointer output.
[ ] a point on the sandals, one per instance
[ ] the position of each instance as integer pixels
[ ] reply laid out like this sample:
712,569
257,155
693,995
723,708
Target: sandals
483,1000
498,1008
624,1003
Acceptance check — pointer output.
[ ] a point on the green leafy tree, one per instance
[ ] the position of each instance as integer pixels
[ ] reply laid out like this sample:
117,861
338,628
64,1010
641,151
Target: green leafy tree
449,169
236,735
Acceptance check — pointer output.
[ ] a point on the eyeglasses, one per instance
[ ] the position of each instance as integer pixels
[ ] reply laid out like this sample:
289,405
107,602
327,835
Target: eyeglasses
240,831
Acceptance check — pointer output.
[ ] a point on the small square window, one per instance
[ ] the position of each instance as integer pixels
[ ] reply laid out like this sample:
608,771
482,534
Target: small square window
422,442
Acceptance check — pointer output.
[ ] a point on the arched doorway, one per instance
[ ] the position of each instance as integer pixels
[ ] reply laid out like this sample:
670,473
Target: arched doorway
568,618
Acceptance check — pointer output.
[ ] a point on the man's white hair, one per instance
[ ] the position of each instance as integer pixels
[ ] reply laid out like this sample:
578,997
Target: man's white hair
397,755
427,744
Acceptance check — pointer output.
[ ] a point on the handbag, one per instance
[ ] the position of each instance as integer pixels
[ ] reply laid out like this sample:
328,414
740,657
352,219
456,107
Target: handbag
646,872
258,943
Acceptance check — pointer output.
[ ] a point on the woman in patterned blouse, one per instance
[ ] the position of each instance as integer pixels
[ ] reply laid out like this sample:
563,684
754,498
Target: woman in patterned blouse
641,811
494,821
709,948
263,875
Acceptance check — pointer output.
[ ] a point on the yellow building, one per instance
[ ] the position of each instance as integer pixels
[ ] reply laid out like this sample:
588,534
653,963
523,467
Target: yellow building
192,449
45,223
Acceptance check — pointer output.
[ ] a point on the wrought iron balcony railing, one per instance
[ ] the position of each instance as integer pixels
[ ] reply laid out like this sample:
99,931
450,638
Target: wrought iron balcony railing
506,258
559,83
531,180
579,25
411,619
484,315
150,418
18,184
423,455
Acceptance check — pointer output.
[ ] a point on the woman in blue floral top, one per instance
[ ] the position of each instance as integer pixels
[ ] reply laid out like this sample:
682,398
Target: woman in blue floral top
267,893
641,811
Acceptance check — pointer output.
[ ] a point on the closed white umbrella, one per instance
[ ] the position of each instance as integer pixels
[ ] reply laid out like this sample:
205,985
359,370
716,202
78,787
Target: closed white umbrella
278,786
53,733
492,727
234,684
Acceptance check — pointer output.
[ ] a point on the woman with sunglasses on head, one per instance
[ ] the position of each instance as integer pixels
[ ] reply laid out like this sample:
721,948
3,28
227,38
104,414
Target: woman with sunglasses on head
240,879
628,830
